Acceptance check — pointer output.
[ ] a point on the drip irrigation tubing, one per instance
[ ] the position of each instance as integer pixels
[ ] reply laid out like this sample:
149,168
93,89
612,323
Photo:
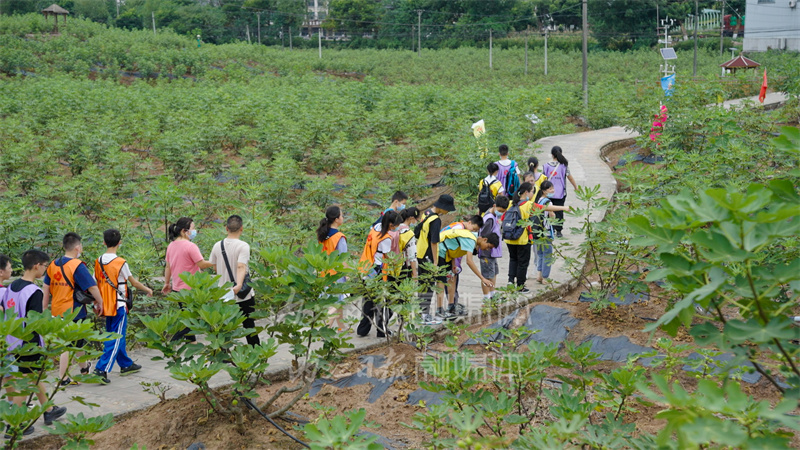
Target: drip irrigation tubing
252,406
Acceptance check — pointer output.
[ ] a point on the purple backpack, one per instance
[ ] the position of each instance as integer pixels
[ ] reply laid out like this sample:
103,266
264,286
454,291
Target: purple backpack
496,252
558,176
18,302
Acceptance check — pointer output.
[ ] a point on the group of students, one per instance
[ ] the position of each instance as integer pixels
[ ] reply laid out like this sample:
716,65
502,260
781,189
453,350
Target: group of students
69,287
515,196
505,200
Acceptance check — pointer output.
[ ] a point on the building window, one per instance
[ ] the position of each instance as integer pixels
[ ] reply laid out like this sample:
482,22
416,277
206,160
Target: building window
766,1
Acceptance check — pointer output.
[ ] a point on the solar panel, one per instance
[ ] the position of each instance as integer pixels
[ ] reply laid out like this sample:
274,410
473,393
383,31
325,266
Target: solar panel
668,53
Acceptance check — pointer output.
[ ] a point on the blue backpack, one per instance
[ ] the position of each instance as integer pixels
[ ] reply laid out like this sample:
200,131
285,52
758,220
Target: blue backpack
509,177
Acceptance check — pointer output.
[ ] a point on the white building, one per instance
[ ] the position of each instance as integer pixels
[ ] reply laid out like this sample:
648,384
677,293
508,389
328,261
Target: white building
771,24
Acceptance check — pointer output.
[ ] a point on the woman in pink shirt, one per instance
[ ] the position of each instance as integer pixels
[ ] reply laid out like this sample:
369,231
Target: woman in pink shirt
183,255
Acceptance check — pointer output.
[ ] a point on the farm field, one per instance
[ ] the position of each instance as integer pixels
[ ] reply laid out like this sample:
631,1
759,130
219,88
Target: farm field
105,128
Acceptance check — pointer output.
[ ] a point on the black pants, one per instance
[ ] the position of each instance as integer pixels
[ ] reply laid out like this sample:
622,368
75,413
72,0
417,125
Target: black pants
184,333
249,307
559,214
371,312
519,257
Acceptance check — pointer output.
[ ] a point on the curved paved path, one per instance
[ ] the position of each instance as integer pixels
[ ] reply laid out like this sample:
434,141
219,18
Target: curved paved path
125,394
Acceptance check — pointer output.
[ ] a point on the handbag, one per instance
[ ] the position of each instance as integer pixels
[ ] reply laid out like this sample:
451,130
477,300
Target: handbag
128,293
82,297
246,288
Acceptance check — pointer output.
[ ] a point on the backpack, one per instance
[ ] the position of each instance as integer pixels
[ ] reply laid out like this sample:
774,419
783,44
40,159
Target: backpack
509,177
510,229
485,196
558,176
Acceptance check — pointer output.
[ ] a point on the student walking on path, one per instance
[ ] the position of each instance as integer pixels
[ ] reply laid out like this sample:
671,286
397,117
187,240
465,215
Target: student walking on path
183,255
19,299
489,188
333,240
64,277
508,172
378,245
518,239
231,259
544,234
113,275
557,172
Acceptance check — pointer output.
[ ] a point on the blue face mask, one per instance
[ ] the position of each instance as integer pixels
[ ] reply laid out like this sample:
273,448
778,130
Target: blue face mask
401,207
550,195
192,234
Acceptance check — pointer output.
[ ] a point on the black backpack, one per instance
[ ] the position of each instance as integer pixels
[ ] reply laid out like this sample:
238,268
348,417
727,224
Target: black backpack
485,196
510,228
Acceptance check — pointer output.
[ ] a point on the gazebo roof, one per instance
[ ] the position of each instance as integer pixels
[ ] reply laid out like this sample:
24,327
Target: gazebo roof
55,9
740,62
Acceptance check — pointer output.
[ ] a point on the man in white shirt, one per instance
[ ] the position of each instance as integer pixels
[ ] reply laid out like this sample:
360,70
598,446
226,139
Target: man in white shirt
237,253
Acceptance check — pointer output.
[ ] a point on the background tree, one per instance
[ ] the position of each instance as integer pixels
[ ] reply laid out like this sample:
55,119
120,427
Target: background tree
353,15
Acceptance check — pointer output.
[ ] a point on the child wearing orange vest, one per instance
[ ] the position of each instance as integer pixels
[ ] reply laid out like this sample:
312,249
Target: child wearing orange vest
113,275
332,239
379,243
63,276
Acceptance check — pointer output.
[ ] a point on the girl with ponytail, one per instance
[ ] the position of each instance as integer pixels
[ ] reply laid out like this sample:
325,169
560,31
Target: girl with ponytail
332,239
557,172
519,250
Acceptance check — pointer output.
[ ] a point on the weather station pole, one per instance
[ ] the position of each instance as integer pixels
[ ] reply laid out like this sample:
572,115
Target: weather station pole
721,28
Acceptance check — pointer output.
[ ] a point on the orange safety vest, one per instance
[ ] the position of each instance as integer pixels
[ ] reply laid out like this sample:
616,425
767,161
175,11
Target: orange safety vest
329,246
107,291
371,248
60,291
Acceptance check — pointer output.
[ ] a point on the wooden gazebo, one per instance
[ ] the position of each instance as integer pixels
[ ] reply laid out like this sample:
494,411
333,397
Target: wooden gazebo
55,11
740,62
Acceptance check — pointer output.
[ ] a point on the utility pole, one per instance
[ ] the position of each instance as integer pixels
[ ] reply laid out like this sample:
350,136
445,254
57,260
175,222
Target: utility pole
546,32
585,25
319,39
259,27
419,33
527,32
490,49
153,16
721,27
290,38
117,2
247,31
696,23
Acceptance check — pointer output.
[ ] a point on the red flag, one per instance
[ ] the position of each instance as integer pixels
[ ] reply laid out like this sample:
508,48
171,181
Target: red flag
763,94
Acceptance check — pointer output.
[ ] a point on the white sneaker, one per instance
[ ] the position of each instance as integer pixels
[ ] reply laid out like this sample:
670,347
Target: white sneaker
427,319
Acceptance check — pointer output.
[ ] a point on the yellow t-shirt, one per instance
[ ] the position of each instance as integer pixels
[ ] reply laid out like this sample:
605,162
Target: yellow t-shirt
525,212
496,186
